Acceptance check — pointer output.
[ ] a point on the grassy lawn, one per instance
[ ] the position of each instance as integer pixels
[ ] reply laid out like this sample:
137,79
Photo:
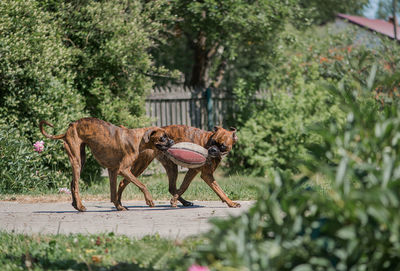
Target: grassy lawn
236,187
91,252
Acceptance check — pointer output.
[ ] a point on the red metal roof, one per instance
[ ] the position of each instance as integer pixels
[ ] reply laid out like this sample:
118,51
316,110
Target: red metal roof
376,25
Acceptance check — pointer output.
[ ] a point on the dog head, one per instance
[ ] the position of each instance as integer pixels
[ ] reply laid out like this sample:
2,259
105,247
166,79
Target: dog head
221,141
157,138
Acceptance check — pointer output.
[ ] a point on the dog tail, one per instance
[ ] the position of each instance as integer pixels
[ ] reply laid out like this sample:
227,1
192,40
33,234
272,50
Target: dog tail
46,134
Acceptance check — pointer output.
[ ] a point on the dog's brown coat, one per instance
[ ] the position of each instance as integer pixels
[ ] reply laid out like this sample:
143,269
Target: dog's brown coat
115,148
181,133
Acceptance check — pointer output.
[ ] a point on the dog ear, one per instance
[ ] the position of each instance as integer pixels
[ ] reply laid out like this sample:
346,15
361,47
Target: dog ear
235,137
148,134
216,128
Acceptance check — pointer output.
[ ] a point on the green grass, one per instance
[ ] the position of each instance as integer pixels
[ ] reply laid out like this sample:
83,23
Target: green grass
92,252
236,187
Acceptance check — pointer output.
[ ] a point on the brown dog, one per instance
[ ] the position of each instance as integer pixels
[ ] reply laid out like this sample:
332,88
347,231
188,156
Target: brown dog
115,148
219,143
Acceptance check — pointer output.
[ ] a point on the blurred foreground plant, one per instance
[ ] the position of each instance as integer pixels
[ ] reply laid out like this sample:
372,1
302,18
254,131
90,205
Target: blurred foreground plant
354,225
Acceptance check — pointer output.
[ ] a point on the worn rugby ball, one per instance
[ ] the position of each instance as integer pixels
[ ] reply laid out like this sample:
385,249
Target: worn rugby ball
187,154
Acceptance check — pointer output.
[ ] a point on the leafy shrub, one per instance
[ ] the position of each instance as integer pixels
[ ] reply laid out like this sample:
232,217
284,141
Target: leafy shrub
353,225
110,42
23,170
63,61
276,136
35,80
275,133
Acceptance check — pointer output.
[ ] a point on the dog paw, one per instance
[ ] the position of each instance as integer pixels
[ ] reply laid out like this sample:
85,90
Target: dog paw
235,205
80,208
150,203
187,203
121,208
174,203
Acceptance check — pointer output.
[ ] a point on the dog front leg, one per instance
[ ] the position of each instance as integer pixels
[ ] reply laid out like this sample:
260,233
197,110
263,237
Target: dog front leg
209,179
130,177
140,165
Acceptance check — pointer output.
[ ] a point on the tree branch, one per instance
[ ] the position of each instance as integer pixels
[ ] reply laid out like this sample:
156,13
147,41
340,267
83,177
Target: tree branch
220,74
213,50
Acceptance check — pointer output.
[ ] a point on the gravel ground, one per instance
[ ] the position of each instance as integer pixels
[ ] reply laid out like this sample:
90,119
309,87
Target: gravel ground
102,217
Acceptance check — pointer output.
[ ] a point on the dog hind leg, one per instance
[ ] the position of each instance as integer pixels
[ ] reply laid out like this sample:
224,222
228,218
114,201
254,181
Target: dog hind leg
74,155
172,172
122,185
83,156
113,174
185,184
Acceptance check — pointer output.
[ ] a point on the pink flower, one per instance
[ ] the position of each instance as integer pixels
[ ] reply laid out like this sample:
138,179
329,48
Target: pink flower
196,267
64,190
39,146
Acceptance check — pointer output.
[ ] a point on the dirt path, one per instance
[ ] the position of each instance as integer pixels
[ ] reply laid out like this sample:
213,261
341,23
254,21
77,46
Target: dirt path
101,217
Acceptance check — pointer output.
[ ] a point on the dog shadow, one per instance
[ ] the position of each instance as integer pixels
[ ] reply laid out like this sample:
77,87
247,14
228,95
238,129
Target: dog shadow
108,209
163,207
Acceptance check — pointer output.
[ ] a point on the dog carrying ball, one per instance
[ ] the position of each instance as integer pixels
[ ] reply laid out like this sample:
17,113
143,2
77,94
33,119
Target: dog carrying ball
187,154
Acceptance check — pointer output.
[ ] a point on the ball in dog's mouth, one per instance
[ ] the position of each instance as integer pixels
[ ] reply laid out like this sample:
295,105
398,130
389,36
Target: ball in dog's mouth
165,147
187,154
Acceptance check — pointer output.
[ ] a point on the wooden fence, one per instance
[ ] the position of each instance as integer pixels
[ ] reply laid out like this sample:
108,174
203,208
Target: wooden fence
189,106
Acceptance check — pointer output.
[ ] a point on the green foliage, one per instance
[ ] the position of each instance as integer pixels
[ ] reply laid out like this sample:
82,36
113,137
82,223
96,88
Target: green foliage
35,83
275,132
62,60
352,226
209,38
21,169
276,136
229,40
93,252
322,11
110,40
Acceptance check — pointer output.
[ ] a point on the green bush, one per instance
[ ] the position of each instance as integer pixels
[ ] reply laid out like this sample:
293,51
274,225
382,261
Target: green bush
35,84
23,170
110,41
352,225
276,136
61,61
274,132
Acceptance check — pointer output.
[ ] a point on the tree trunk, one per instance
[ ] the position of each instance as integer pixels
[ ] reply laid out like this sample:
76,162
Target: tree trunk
201,64
203,58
